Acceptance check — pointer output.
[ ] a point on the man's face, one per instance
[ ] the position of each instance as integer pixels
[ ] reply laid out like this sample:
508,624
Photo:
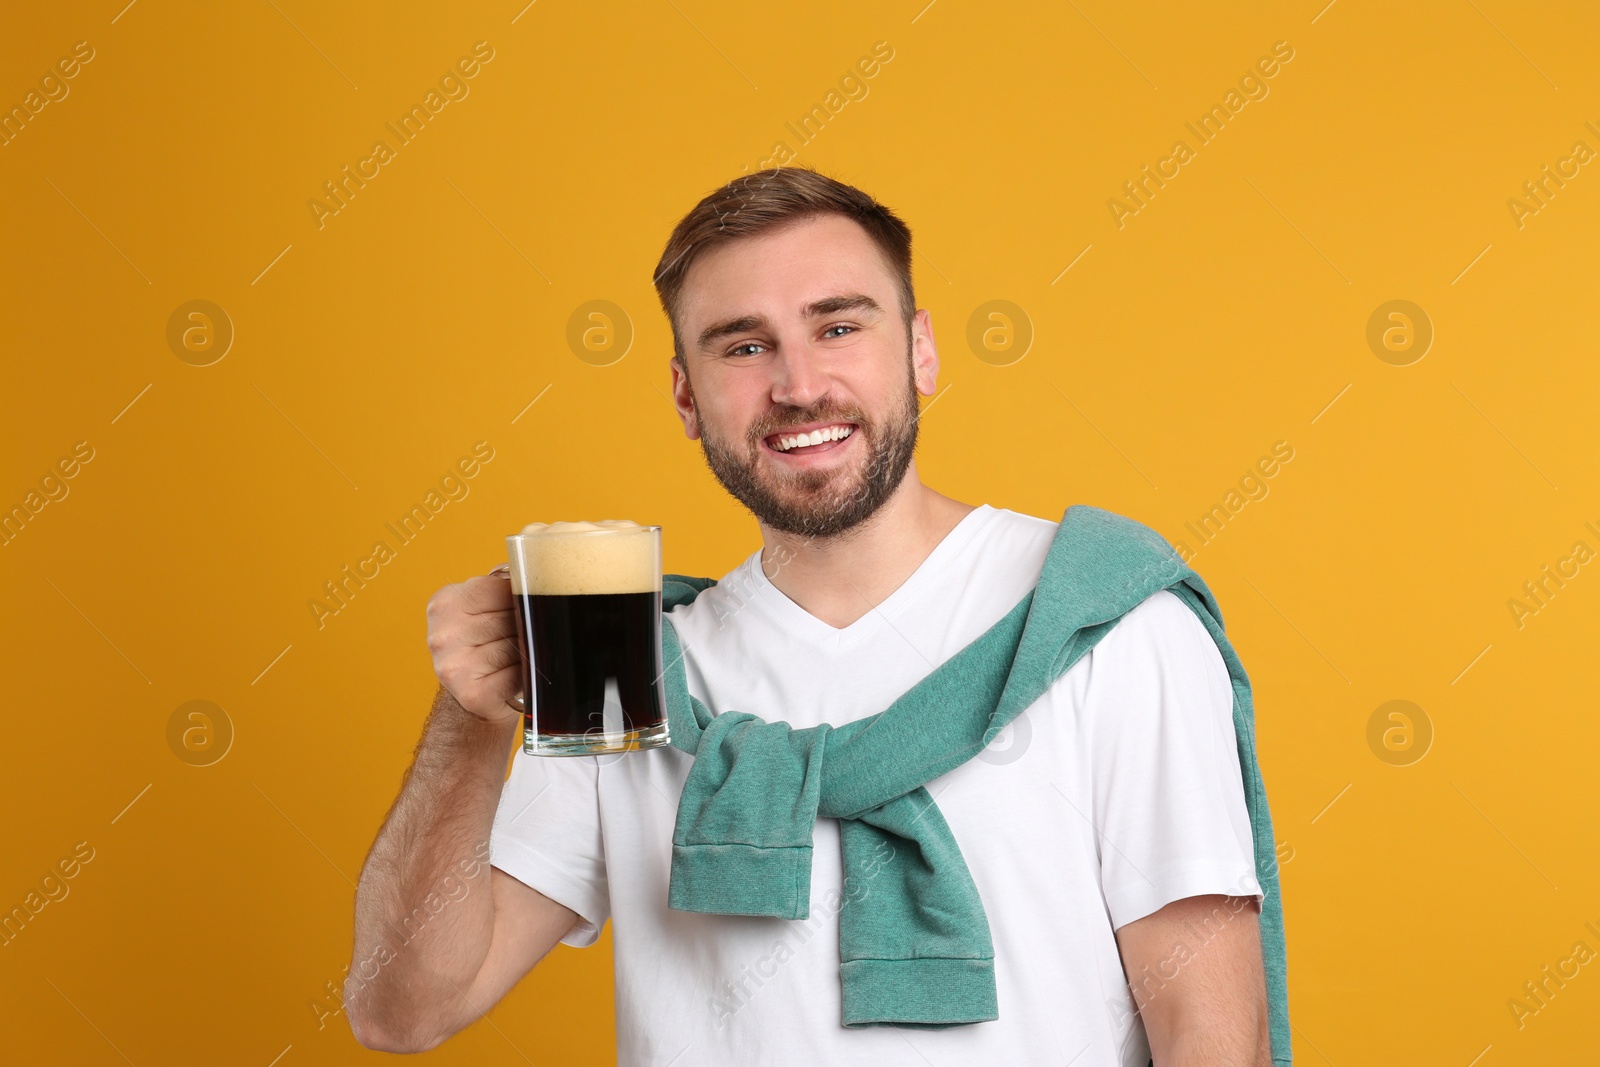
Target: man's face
796,331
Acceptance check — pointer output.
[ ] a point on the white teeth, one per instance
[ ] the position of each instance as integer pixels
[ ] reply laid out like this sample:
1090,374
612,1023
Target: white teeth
815,437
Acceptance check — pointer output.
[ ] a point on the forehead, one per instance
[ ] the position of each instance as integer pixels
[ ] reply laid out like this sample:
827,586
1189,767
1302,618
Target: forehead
783,269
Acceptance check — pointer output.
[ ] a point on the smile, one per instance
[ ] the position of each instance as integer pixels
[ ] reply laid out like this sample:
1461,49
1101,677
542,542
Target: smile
813,439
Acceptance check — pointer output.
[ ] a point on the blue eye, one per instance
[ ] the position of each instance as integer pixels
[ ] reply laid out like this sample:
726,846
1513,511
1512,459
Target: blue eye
736,350
830,330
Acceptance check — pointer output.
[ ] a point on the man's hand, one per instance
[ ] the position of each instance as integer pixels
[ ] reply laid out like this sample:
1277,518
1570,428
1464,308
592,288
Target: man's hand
472,637
1195,971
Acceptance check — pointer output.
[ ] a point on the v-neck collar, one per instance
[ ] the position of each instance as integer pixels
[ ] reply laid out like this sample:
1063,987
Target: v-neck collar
806,626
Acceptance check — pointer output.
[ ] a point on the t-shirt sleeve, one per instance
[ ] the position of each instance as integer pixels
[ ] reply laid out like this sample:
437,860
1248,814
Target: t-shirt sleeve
1167,788
547,836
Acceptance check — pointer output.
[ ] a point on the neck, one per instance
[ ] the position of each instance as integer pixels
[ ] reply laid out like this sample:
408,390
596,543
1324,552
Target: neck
839,579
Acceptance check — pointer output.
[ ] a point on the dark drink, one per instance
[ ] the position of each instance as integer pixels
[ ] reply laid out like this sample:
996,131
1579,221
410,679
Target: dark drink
610,644
587,600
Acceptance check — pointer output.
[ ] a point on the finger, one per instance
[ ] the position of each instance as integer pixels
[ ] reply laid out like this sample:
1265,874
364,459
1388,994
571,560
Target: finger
485,628
457,627
504,685
503,656
484,595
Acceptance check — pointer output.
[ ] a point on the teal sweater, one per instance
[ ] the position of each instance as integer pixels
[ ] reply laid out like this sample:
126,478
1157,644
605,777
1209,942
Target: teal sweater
916,951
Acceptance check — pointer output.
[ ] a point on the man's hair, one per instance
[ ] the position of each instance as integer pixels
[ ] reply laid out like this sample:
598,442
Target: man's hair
767,200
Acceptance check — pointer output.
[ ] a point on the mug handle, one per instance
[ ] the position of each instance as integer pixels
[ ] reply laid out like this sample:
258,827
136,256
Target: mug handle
518,701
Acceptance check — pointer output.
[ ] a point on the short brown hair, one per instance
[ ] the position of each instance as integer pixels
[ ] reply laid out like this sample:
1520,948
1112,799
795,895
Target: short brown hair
766,200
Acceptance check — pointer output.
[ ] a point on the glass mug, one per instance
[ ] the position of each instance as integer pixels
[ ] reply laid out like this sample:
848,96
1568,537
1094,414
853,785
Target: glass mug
587,603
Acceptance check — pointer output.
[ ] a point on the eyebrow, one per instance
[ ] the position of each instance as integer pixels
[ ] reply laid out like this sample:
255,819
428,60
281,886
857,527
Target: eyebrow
830,305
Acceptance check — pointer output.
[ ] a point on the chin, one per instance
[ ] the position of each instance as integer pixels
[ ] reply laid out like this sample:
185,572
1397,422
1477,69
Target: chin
812,514
814,487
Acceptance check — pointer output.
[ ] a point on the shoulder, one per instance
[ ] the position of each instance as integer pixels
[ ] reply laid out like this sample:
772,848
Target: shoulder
985,565
1003,522
1157,674
1004,536
1160,612
717,600
1158,656
1161,630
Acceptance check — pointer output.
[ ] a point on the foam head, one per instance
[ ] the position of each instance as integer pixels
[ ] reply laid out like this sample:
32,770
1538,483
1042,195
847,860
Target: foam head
585,558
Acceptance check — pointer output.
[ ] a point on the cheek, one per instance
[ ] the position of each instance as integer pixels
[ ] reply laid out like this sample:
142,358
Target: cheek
889,389
729,402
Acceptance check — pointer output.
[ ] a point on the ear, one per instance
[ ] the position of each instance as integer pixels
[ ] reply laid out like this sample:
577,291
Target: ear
683,400
924,353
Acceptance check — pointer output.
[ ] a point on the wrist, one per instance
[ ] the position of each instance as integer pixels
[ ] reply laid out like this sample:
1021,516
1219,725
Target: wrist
454,720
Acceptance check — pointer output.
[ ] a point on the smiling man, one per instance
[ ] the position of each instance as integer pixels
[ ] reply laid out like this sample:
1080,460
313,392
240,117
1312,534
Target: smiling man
1109,842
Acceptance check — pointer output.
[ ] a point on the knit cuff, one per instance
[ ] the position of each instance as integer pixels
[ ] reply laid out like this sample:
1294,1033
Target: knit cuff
741,880
929,992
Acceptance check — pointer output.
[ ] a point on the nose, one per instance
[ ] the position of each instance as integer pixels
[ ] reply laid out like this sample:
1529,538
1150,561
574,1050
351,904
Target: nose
798,377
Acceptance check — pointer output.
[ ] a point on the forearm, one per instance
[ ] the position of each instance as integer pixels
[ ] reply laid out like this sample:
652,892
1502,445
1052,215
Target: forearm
424,911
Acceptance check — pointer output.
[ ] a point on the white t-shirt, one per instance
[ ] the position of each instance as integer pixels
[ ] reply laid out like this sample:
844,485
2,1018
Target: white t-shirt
1115,793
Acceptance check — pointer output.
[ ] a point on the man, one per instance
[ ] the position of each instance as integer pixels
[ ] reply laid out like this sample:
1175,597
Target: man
1110,843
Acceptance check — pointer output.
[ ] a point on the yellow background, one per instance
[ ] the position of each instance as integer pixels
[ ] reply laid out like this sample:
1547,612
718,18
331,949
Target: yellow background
1227,315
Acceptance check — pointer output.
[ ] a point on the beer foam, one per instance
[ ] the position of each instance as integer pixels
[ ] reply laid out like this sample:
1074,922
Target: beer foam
586,558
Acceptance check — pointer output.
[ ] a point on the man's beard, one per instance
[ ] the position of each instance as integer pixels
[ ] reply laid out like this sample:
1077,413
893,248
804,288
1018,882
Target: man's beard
818,504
